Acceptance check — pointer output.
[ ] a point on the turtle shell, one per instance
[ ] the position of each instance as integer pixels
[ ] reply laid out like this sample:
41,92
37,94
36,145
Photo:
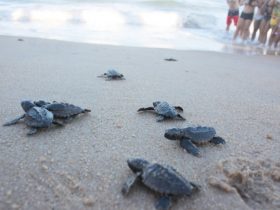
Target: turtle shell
64,110
200,134
165,180
38,117
113,73
164,109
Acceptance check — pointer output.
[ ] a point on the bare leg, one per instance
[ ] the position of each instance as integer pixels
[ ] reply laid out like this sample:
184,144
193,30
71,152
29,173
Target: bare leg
263,31
239,28
246,32
272,37
256,28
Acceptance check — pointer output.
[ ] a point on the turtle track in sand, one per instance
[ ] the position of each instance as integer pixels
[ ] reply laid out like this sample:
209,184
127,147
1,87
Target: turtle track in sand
257,182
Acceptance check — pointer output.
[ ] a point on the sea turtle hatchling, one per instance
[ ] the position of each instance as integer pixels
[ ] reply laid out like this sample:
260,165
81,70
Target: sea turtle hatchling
62,111
34,117
164,180
164,111
193,135
170,59
112,74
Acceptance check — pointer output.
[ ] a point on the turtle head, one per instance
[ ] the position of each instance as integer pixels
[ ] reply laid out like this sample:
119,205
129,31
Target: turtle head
174,134
137,164
156,103
41,103
26,105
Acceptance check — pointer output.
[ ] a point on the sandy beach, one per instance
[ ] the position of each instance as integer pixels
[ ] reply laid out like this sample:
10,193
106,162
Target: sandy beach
83,165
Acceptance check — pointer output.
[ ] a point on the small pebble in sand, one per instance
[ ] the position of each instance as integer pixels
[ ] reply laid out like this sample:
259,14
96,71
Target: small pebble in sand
268,136
45,167
42,159
222,185
9,193
275,174
88,201
20,40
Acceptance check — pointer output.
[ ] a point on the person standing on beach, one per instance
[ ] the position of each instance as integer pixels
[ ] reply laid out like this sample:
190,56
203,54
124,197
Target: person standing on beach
245,20
265,23
233,13
274,22
257,19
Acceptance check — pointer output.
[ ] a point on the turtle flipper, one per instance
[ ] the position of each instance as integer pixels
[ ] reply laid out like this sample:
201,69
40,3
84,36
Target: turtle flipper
160,118
32,131
146,109
196,187
129,183
86,110
179,117
178,108
217,140
189,146
103,75
12,122
58,122
163,203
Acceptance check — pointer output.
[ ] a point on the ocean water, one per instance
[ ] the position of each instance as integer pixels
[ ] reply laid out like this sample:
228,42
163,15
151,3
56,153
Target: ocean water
175,24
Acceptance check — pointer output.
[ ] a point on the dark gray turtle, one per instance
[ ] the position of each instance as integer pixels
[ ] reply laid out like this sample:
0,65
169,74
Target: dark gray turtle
164,180
193,135
35,117
170,59
164,111
62,111
112,74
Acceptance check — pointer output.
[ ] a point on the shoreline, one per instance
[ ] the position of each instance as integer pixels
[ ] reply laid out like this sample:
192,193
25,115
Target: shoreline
83,165
228,48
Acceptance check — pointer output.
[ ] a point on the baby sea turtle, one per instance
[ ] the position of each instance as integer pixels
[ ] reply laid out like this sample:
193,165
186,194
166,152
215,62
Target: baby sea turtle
170,59
62,111
164,111
35,117
164,180
193,135
112,74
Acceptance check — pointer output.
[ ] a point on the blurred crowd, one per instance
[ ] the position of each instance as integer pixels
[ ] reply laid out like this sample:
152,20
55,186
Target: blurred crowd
263,15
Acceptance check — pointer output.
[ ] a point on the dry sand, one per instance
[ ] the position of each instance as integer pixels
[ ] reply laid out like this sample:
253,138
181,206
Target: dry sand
83,165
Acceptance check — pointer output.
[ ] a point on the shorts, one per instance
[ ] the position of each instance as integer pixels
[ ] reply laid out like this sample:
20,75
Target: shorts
233,12
234,18
258,17
247,16
273,21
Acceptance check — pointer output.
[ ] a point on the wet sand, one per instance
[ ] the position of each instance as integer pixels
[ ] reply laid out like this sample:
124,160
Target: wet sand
83,165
